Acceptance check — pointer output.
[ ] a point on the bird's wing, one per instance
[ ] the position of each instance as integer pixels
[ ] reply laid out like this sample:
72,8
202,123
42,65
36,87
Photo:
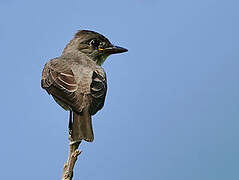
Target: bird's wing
98,90
59,81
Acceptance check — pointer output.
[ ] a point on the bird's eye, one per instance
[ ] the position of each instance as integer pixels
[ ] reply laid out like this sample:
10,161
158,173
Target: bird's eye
94,43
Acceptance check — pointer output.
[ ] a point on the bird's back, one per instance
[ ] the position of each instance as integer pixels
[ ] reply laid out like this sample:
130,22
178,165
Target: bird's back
73,76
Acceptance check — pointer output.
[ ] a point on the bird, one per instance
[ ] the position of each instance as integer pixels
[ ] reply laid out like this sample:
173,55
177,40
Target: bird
77,81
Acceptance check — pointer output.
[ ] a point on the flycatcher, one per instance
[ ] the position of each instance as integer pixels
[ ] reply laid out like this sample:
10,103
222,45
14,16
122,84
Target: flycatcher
77,82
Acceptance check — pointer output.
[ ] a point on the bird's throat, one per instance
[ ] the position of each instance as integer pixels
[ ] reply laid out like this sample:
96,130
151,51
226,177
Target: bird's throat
101,59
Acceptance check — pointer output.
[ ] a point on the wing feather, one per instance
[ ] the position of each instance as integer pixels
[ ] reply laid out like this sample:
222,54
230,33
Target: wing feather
59,81
98,89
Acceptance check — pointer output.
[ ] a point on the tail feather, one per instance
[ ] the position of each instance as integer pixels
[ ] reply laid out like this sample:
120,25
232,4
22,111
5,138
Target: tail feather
82,127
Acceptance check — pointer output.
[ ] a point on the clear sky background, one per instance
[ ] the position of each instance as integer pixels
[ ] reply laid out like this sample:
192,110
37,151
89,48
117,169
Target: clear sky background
171,111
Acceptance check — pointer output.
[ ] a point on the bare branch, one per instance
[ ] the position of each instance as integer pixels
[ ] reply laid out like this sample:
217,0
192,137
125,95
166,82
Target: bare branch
72,158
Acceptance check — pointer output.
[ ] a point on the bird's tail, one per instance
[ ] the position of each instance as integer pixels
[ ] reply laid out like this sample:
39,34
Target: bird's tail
82,127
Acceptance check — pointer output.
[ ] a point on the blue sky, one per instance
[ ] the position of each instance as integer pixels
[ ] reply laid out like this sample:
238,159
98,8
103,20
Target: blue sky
171,111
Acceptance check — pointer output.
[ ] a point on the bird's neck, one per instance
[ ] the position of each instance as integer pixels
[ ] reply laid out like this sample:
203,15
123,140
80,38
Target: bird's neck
71,47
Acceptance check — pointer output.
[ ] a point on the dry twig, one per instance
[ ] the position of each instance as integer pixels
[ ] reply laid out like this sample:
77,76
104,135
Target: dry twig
69,165
74,152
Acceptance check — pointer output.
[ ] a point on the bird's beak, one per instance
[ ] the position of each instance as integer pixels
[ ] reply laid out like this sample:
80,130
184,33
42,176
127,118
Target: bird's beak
114,50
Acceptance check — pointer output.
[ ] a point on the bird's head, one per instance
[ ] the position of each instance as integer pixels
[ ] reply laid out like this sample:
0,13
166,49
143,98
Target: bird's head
94,45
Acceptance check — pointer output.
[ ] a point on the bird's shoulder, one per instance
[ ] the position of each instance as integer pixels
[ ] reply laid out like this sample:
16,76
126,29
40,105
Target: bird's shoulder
58,71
